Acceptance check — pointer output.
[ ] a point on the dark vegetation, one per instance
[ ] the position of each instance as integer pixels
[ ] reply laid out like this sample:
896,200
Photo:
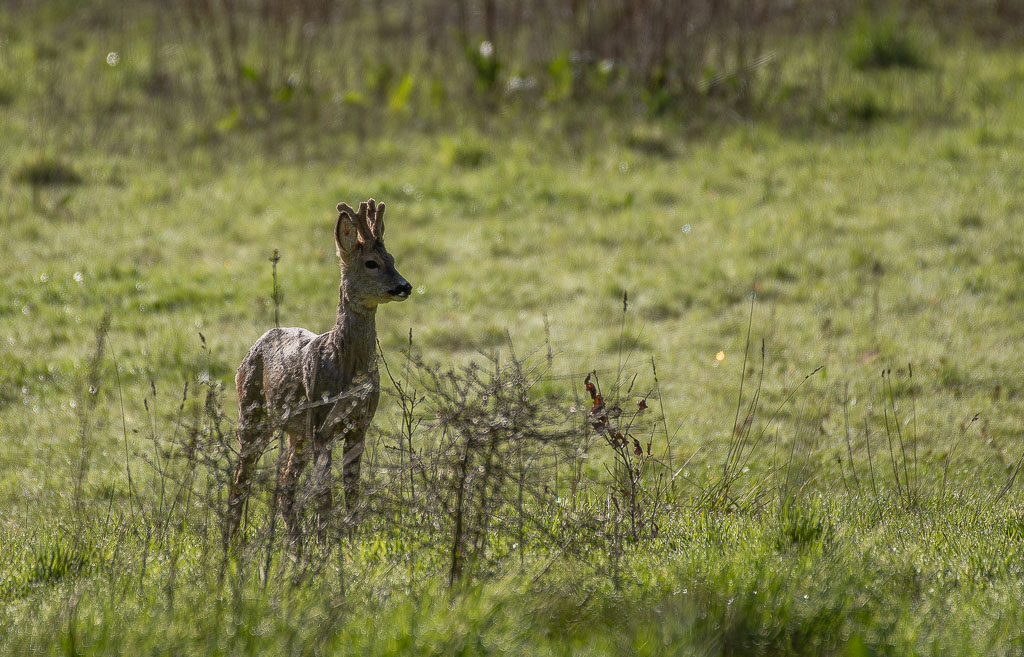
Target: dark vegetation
209,67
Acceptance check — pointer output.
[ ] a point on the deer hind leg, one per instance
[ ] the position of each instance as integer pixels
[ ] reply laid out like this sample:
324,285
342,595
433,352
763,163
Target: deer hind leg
252,444
293,462
253,432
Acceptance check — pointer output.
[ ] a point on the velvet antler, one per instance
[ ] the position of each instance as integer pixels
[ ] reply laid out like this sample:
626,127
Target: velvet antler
369,219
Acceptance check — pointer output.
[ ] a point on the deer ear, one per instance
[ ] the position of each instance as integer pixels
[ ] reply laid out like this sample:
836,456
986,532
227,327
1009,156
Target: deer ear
346,235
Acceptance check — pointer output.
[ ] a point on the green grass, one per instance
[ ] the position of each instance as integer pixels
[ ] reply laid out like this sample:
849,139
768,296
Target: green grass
876,219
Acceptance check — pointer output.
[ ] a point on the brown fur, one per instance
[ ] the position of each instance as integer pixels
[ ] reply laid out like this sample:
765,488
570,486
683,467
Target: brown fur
319,389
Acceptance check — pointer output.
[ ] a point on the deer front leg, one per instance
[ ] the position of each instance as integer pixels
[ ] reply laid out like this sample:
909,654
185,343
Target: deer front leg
322,484
350,420
294,461
350,465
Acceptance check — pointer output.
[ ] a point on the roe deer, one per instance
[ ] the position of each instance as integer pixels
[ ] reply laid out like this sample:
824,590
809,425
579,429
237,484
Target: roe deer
319,388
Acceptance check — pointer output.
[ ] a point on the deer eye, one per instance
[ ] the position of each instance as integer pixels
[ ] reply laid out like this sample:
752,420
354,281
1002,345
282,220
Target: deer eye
371,264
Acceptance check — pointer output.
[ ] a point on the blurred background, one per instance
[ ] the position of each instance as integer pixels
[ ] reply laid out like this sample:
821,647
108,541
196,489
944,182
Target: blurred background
205,67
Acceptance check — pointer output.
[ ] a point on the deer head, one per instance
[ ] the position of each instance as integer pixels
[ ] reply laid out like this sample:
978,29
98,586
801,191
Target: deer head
367,269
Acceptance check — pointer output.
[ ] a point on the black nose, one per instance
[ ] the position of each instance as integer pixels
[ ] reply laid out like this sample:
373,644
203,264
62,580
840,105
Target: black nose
402,290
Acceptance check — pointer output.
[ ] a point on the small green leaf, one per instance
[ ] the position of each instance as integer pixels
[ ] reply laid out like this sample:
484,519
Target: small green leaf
354,99
230,121
400,96
249,72
285,93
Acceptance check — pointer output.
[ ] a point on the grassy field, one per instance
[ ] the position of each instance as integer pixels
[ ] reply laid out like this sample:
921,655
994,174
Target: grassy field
876,221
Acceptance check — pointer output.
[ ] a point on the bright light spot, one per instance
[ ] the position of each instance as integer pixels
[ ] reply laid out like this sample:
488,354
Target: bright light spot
517,83
113,59
72,403
43,278
686,228
78,277
421,289
486,49
720,356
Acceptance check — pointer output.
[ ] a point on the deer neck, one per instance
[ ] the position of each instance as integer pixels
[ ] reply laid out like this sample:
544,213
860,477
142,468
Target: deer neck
355,333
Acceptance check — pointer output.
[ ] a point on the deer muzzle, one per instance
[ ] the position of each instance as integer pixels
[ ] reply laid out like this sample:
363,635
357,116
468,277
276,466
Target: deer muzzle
401,291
